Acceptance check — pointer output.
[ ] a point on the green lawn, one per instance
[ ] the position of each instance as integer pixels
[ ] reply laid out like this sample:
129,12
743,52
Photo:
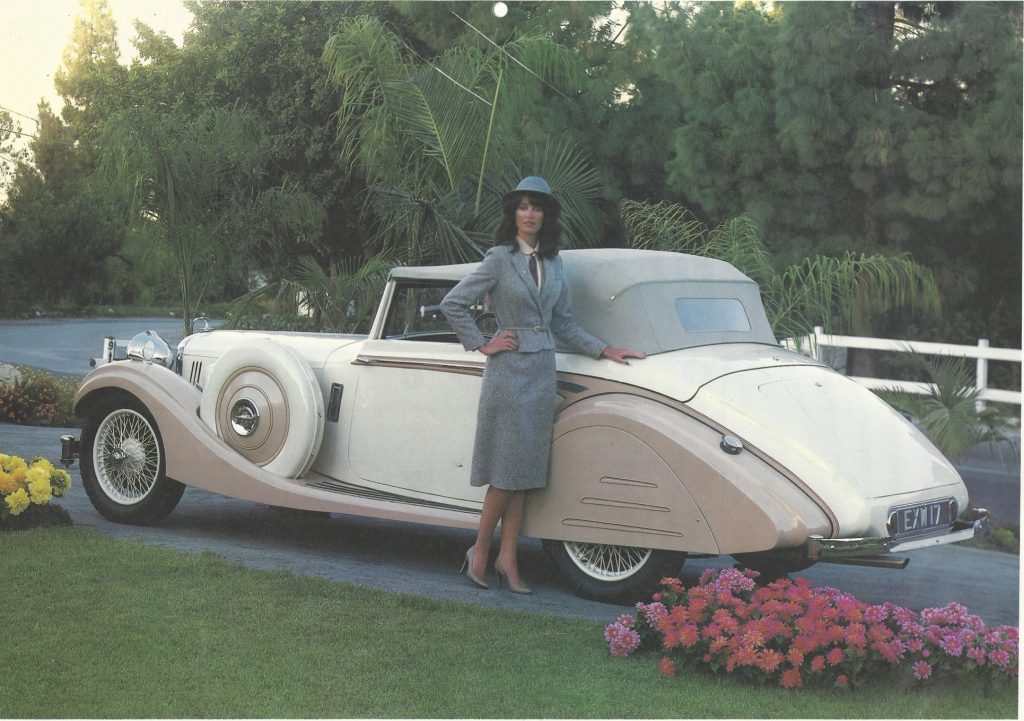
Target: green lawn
97,627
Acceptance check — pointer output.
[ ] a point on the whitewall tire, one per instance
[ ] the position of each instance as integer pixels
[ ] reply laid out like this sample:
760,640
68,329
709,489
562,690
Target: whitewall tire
263,400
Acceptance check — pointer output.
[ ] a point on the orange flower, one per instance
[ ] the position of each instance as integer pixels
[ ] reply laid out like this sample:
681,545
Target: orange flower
792,679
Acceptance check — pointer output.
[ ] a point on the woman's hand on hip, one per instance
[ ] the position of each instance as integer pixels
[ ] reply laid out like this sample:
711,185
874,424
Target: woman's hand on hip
619,355
506,340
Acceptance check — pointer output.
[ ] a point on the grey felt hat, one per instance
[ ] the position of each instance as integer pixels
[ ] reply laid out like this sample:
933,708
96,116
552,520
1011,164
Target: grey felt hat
536,185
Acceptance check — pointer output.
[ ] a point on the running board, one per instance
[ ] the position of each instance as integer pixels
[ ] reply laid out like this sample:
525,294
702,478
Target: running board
896,562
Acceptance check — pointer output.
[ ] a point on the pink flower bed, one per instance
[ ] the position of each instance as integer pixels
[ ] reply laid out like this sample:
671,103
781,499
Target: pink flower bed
793,634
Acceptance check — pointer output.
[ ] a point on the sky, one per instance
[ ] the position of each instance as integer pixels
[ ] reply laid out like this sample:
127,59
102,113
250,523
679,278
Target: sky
35,32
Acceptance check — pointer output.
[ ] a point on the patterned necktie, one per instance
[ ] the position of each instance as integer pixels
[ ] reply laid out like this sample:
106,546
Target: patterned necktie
533,268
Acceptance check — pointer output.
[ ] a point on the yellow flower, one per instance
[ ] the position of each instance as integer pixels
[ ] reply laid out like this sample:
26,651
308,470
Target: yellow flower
35,473
40,490
12,462
7,482
20,474
61,481
17,501
40,462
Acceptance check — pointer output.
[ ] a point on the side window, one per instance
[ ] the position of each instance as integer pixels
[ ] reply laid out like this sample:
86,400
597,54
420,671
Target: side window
416,314
704,315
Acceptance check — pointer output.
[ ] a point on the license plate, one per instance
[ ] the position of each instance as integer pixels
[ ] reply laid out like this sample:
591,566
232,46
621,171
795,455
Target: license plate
922,518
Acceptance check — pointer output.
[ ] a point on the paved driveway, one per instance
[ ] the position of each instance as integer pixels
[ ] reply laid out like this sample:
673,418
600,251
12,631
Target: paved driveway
65,345
423,560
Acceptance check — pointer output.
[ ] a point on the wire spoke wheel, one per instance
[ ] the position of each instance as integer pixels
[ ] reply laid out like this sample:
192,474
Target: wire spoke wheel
610,573
607,563
126,457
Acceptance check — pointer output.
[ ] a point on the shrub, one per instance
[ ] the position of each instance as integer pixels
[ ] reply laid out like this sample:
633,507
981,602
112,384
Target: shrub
38,399
789,633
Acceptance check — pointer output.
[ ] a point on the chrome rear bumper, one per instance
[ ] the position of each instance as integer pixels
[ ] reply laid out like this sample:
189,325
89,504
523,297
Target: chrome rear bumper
876,550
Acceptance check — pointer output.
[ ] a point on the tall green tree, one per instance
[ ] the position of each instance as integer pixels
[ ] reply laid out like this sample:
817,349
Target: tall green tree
847,126
439,140
90,79
185,178
267,56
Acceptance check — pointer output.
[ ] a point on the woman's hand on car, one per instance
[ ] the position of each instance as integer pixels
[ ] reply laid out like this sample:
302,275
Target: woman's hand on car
619,355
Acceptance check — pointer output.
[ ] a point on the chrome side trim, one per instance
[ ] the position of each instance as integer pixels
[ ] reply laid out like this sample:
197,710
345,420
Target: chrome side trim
421,363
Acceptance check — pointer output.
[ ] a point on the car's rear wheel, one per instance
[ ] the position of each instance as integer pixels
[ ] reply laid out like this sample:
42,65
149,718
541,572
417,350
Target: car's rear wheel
605,572
123,464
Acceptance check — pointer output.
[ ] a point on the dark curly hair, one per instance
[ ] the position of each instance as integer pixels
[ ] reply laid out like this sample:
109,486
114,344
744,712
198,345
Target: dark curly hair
550,229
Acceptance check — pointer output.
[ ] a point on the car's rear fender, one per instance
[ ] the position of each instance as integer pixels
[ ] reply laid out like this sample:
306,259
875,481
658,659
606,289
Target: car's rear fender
629,470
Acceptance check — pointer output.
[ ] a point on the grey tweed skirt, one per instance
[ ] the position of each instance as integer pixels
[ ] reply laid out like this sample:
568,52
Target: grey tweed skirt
513,428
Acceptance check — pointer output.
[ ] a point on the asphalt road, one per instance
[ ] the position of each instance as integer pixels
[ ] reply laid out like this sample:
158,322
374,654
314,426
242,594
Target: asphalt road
65,345
424,560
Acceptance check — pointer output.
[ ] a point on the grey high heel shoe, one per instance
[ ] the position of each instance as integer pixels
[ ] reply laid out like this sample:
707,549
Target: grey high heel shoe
467,568
513,587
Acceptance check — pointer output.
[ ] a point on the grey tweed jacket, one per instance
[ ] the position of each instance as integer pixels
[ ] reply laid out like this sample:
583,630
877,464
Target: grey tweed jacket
536,316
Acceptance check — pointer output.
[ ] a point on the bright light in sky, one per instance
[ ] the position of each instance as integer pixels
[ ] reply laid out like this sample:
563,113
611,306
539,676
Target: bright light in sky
36,32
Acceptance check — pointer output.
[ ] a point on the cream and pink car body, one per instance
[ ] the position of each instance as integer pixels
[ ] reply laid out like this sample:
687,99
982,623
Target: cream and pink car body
719,442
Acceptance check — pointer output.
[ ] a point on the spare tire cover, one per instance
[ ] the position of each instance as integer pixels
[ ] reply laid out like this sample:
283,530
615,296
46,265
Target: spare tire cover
263,400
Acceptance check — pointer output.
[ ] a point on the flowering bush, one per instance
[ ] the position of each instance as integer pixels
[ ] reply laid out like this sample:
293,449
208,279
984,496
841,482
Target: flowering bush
792,634
37,398
25,486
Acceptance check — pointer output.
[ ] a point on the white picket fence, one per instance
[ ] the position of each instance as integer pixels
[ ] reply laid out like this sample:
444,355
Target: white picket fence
983,353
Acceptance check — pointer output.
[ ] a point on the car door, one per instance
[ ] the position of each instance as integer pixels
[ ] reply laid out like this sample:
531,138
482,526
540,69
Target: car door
414,416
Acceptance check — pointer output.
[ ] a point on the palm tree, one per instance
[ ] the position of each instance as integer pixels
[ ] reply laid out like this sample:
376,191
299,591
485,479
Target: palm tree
190,180
178,176
948,413
820,290
440,140
342,299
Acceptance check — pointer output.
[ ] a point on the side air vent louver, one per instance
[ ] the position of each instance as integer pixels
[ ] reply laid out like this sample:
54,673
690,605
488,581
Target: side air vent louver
195,373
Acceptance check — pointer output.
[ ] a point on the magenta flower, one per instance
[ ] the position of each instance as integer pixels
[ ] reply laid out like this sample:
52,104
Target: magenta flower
922,670
622,640
999,657
876,614
951,644
976,654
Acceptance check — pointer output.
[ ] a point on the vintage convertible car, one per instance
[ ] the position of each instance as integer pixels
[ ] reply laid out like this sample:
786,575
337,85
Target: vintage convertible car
720,442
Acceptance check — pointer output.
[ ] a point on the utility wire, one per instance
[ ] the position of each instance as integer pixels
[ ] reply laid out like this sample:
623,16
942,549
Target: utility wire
24,135
9,110
413,50
510,55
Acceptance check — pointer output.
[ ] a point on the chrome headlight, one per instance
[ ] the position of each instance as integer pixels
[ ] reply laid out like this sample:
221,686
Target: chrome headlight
151,348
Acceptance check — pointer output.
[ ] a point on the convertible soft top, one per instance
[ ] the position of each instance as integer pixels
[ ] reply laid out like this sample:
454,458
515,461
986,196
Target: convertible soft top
608,269
649,300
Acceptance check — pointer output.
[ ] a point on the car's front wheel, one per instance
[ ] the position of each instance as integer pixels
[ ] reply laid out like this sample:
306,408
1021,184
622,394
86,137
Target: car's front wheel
604,572
123,464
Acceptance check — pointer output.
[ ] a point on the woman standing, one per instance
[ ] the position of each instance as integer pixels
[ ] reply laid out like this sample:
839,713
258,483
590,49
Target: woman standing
530,299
